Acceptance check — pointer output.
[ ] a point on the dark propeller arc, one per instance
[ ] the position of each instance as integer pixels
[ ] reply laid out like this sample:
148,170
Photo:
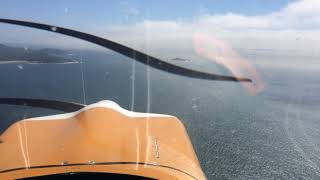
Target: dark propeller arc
129,52
43,103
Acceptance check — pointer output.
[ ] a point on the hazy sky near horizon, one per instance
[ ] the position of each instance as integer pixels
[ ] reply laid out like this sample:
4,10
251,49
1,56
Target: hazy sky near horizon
170,25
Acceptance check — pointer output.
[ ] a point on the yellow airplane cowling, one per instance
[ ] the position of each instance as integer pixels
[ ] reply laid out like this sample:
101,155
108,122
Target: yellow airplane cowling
101,138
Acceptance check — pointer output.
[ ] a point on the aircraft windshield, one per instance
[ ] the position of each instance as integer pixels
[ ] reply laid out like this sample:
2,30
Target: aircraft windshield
242,77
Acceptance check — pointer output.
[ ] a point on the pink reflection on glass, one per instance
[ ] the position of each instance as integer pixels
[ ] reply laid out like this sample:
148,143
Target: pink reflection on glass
222,52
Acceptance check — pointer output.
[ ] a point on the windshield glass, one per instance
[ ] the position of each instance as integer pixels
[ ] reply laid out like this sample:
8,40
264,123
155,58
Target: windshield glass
260,120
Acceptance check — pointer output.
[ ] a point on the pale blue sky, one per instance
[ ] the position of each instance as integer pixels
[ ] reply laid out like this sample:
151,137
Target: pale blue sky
100,12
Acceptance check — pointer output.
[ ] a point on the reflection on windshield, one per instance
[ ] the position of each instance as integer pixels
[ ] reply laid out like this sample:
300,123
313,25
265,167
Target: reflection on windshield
221,52
65,103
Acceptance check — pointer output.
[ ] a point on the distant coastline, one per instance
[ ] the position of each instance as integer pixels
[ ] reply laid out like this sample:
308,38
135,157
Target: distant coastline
10,54
11,62
30,62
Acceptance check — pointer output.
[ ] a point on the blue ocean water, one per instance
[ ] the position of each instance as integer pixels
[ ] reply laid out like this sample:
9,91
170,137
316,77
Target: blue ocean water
274,135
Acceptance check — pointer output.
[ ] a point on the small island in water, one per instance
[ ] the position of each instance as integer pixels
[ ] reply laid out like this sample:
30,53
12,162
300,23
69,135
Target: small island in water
179,59
10,54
